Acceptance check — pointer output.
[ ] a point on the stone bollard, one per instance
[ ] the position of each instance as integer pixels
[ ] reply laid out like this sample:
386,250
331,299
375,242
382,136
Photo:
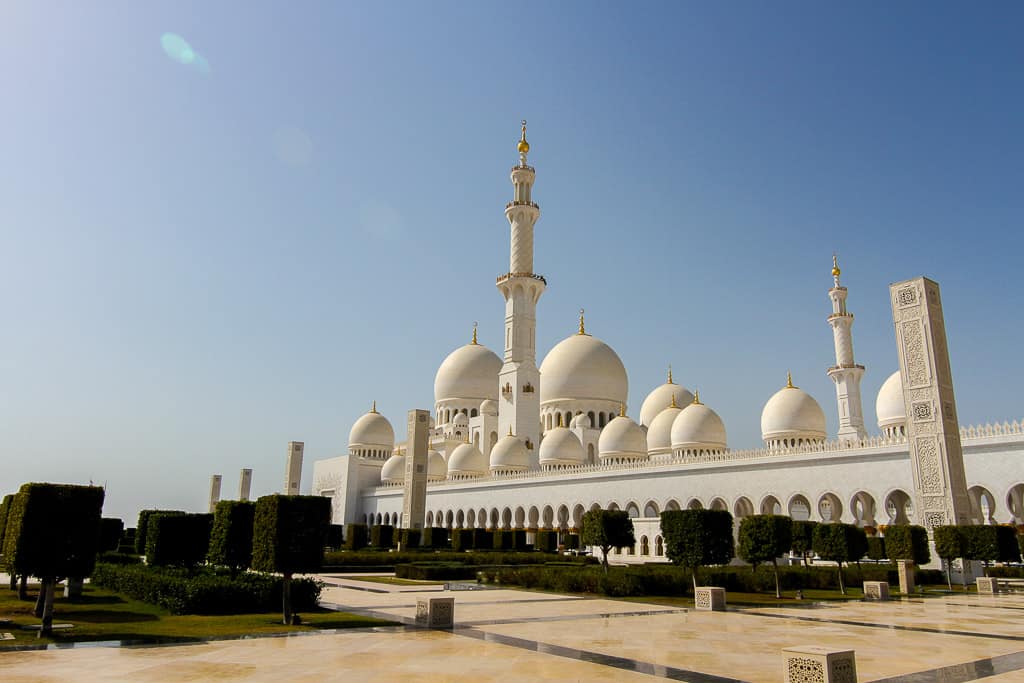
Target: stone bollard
906,570
988,584
435,612
73,588
876,590
814,664
709,598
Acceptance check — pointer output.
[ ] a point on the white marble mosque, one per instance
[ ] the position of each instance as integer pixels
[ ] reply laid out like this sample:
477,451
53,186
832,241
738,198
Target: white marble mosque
514,445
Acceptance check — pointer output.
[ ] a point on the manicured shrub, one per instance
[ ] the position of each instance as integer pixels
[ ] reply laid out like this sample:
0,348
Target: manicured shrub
127,544
694,538
118,558
572,542
462,539
876,549
483,539
382,536
335,536
838,542
110,534
949,545
410,538
546,541
143,526
5,506
765,538
205,592
607,529
803,538
436,571
356,536
379,559
434,537
231,536
995,543
288,537
907,542
52,533
174,540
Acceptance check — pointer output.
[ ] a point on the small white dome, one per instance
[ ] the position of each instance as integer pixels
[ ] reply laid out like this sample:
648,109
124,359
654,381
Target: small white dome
889,406
489,407
393,471
467,461
460,420
659,433
583,367
469,372
581,421
437,468
509,455
372,430
561,447
792,413
661,398
622,438
698,427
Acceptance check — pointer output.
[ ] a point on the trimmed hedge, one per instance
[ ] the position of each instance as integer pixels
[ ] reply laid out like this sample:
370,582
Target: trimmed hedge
127,544
207,592
483,539
5,506
803,538
356,536
118,558
111,529
546,541
434,537
289,533
382,536
907,542
510,539
694,538
572,542
436,571
462,539
178,540
374,558
231,536
335,537
143,526
409,538
990,543
876,549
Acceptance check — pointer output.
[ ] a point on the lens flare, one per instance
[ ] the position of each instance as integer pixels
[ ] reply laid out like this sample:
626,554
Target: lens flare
178,49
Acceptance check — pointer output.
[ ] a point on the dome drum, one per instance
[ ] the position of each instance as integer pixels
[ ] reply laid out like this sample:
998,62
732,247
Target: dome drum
599,412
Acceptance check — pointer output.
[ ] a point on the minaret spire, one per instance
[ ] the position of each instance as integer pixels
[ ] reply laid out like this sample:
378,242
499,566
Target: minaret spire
519,379
845,373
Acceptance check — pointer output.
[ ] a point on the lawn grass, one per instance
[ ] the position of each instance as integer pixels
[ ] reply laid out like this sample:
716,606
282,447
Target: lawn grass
104,615
394,581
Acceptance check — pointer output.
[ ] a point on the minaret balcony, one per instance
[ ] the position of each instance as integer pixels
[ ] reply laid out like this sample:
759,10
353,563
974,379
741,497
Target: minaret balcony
518,203
523,167
844,366
509,276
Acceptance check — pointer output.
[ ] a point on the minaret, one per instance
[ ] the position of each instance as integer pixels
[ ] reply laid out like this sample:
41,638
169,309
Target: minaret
519,380
845,373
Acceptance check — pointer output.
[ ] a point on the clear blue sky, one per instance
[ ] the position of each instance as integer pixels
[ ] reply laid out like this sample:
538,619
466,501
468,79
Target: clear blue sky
207,255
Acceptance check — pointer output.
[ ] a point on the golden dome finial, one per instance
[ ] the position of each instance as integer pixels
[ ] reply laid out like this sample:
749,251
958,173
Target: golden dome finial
673,404
373,408
835,266
583,330
789,380
524,146
670,375
474,334
622,410
696,397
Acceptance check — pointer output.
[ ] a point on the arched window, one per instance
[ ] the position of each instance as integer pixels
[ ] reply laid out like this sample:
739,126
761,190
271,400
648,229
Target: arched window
645,548
659,550
473,413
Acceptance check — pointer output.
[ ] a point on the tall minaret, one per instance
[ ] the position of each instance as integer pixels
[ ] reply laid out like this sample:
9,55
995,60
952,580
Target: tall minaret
519,380
845,373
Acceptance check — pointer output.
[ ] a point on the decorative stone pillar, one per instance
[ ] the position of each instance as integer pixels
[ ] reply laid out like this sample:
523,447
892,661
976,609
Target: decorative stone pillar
414,501
906,571
933,431
876,590
988,584
435,612
709,599
214,492
814,664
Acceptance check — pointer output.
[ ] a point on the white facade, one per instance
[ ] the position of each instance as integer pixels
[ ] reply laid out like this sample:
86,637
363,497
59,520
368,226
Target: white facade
497,468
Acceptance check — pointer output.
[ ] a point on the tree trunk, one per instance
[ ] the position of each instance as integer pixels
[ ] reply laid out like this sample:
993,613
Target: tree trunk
604,558
842,588
23,588
693,573
984,568
778,588
963,573
949,577
14,581
37,611
47,589
286,598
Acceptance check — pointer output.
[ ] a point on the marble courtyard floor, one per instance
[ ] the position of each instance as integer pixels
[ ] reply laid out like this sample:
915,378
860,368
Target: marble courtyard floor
504,635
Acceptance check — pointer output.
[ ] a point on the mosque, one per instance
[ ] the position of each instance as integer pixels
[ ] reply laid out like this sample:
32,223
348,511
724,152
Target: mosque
514,445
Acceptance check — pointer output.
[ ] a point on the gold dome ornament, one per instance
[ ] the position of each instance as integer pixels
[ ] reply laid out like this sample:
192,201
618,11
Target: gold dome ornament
524,146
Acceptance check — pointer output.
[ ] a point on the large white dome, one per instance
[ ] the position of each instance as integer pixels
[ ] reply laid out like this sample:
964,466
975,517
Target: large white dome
659,433
698,427
393,471
889,406
372,430
661,398
622,438
467,461
437,468
509,455
561,447
583,367
469,372
792,413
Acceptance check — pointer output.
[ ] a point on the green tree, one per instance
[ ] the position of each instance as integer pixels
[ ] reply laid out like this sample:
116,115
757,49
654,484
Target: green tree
837,542
694,538
876,548
990,543
803,538
231,535
52,533
764,538
5,506
288,537
907,542
178,540
111,529
949,546
607,529
143,526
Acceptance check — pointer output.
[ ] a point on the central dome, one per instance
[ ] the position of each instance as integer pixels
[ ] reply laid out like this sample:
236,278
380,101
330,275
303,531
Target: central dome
583,367
469,372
